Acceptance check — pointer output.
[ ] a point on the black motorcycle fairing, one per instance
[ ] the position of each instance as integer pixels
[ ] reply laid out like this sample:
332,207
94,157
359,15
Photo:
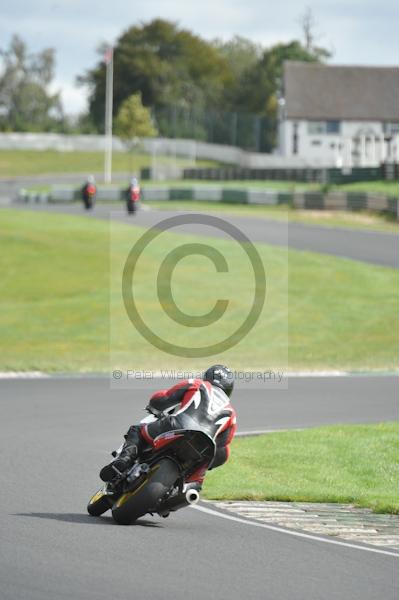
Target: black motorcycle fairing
188,449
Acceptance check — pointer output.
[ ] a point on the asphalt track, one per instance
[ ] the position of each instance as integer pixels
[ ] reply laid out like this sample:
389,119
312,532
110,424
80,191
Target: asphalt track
56,433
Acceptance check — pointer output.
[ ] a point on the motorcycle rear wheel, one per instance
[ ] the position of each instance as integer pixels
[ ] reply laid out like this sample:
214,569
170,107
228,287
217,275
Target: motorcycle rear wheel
131,207
144,499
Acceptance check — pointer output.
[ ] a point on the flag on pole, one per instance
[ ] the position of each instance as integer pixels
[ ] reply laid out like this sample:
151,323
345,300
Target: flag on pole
108,55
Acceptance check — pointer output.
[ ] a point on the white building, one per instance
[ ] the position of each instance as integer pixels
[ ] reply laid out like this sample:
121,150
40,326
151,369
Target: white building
340,116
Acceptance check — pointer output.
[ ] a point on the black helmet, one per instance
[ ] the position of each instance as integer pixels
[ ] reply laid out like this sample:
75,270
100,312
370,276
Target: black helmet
220,376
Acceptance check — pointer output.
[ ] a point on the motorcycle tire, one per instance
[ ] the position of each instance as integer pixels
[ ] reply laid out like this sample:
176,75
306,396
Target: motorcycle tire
144,499
98,504
89,203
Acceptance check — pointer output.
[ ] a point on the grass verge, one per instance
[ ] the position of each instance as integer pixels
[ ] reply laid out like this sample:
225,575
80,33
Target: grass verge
386,188
15,163
56,304
356,464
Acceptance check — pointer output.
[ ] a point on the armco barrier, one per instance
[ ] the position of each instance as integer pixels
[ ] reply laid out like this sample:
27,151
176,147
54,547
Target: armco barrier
350,201
289,173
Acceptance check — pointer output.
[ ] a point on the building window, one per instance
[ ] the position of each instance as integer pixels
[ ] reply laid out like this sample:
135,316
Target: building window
316,127
333,127
324,127
391,128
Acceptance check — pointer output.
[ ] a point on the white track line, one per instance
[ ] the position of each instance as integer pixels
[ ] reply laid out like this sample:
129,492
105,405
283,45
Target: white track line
265,431
24,375
294,533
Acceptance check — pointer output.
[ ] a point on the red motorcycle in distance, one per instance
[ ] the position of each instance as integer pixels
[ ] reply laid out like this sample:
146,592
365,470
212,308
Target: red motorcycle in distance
158,482
133,196
89,192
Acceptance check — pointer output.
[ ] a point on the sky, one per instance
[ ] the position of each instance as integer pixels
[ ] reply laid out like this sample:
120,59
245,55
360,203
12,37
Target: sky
363,32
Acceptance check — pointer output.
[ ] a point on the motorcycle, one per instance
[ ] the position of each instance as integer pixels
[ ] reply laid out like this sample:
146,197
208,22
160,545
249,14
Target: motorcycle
89,196
156,483
132,199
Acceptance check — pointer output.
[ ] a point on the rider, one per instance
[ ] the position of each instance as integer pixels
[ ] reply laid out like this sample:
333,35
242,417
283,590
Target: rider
133,195
89,187
199,404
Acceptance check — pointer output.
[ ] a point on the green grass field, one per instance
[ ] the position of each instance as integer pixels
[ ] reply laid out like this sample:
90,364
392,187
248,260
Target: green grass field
15,163
386,188
56,302
357,464
269,184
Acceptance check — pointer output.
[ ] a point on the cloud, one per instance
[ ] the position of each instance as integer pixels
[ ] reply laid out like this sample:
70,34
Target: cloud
74,99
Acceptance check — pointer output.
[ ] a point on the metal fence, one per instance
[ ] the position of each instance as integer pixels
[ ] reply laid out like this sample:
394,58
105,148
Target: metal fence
244,130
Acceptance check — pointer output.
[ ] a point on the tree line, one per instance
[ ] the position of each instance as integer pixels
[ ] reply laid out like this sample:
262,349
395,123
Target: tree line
191,87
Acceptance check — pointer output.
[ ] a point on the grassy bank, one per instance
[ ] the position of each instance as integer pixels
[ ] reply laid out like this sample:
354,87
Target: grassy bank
56,303
356,464
15,163
386,188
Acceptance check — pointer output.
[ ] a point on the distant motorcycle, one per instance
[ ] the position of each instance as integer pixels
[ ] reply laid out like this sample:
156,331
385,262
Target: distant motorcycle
133,196
89,193
156,483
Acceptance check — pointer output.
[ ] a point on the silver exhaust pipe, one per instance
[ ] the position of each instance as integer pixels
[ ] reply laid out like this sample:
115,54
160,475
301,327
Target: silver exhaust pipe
192,496
187,498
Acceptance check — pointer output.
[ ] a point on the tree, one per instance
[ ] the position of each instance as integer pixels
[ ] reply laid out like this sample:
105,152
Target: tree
240,53
309,29
260,86
134,120
223,91
167,65
26,103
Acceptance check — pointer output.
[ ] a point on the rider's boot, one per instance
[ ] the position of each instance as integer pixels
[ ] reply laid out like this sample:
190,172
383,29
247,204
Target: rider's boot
125,459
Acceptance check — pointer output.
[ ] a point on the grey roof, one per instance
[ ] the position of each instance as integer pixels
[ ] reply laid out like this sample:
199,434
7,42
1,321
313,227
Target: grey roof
319,92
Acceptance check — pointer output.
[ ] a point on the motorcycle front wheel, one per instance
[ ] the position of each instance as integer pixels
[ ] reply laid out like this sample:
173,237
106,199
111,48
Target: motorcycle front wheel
145,497
98,504
131,207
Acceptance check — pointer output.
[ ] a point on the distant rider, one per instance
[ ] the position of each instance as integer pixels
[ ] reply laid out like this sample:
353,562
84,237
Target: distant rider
199,404
133,196
89,191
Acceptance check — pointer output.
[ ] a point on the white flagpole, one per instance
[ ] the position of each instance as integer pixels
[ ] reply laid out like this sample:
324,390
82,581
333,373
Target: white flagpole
109,93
